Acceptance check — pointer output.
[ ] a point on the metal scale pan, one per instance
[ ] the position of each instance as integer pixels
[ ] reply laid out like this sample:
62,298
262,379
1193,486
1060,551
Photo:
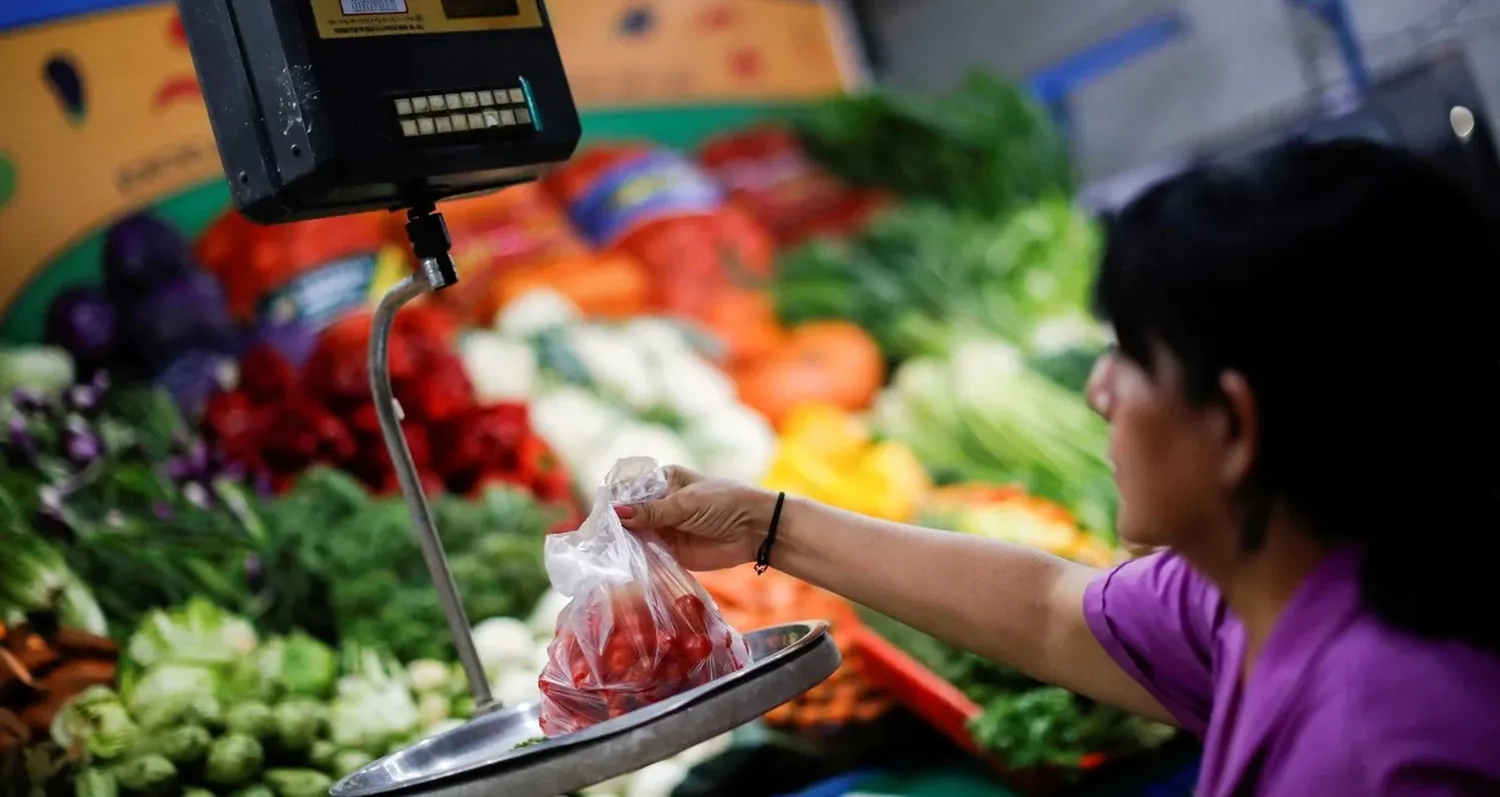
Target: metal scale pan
481,757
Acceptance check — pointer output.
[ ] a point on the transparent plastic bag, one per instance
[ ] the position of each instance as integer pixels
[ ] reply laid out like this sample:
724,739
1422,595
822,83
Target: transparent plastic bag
638,628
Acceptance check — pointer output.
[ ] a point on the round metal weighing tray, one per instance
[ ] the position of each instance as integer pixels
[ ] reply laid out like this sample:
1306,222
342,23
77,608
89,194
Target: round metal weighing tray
481,757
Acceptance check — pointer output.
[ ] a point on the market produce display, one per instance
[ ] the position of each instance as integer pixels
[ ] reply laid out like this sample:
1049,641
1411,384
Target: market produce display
109,508
209,585
206,704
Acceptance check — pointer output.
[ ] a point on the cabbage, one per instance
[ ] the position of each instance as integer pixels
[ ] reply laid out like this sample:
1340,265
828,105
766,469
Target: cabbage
233,760
298,782
197,633
185,745
96,720
174,694
374,707
252,719
299,723
147,774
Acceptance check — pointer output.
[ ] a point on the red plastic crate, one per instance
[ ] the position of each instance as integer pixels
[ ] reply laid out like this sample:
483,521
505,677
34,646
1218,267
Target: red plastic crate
942,706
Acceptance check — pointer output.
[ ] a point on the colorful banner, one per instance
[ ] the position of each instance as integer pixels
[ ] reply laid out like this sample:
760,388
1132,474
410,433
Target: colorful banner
104,116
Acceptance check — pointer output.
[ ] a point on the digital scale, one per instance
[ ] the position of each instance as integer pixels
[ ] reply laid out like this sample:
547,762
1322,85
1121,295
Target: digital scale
329,107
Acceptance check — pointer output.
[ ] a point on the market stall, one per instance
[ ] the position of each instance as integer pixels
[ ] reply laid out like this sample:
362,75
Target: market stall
211,584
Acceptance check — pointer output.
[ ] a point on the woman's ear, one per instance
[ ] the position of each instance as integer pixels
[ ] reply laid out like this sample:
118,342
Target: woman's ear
1242,430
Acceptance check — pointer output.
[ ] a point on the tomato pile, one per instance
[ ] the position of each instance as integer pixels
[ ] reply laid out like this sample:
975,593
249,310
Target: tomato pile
624,648
280,420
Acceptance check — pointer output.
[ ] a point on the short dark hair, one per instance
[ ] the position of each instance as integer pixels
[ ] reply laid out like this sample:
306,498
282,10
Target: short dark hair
1354,288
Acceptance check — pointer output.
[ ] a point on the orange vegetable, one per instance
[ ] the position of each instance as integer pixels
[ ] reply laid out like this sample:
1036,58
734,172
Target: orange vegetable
745,321
604,285
826,362
750,601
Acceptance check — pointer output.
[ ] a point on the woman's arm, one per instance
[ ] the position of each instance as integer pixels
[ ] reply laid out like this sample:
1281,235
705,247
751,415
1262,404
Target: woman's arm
1005,602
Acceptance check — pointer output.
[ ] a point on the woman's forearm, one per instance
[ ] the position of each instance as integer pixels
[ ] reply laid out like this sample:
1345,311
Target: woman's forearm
1006,602
989,597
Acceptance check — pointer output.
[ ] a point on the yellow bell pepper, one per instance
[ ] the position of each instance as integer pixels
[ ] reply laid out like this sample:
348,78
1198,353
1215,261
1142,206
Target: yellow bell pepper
828,455
1009,514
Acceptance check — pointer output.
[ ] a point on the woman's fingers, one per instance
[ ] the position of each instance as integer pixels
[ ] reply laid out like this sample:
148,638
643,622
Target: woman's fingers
679,477
668,512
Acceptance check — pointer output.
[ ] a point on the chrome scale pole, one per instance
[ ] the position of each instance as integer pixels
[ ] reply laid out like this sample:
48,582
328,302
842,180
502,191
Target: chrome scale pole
430,277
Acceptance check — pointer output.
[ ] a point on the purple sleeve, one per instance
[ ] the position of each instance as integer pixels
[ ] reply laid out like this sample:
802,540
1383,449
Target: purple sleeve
1157,619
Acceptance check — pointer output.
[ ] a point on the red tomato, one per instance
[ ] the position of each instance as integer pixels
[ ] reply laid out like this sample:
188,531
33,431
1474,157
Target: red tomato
695,648
265,375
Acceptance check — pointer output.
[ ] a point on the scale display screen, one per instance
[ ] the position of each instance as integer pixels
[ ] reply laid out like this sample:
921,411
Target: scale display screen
468,9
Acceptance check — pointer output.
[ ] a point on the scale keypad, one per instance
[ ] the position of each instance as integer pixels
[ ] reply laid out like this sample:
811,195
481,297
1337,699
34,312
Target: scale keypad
437,114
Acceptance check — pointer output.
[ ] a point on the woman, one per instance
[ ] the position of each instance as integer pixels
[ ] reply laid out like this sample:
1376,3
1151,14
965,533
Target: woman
1304,346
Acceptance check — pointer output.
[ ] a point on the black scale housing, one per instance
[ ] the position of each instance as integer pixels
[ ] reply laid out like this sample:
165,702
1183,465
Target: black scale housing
306,126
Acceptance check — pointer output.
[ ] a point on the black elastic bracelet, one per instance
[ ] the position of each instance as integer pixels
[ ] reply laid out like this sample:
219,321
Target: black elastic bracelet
763,556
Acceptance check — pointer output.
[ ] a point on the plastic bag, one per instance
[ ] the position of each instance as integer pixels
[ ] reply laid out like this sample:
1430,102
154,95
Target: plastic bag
638,628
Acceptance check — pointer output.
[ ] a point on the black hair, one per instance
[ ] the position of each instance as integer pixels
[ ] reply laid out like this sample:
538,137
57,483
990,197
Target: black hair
1354,289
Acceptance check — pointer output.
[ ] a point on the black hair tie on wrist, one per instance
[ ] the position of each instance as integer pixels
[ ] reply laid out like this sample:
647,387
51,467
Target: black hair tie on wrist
763,556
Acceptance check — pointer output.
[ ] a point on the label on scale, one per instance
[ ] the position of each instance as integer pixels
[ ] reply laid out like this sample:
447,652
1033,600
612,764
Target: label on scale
347,19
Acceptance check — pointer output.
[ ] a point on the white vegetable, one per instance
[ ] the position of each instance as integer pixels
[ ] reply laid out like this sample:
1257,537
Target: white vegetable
659,336
574,422
541,658
695,387
657,780
703,751
502,642
515,687
733,442
535,311
441,727
643,440
616,364
614,787
427,675
543,620
431,710
501,368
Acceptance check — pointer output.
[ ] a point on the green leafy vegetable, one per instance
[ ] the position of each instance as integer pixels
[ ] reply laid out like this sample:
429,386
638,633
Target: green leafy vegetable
1024,722
985,414
921,278
983,148
340,552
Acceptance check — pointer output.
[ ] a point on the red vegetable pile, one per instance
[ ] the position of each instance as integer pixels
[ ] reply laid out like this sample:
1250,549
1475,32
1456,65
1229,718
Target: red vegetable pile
624,648
281,420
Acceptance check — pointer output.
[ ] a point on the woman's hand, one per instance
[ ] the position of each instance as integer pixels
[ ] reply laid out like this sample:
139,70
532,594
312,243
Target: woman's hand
709,524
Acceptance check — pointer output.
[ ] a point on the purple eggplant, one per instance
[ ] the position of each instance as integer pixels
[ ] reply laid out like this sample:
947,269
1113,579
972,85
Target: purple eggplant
186,315
193,378
293,340
141,253
83,322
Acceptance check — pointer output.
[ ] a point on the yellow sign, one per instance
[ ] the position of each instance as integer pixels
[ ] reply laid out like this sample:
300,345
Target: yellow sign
346,19
103,118
633,53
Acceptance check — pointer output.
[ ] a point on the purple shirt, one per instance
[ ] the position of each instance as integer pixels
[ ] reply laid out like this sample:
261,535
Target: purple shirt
1337,704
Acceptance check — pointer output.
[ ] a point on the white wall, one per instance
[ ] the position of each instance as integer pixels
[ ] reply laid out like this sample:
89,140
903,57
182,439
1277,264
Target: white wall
1243,58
